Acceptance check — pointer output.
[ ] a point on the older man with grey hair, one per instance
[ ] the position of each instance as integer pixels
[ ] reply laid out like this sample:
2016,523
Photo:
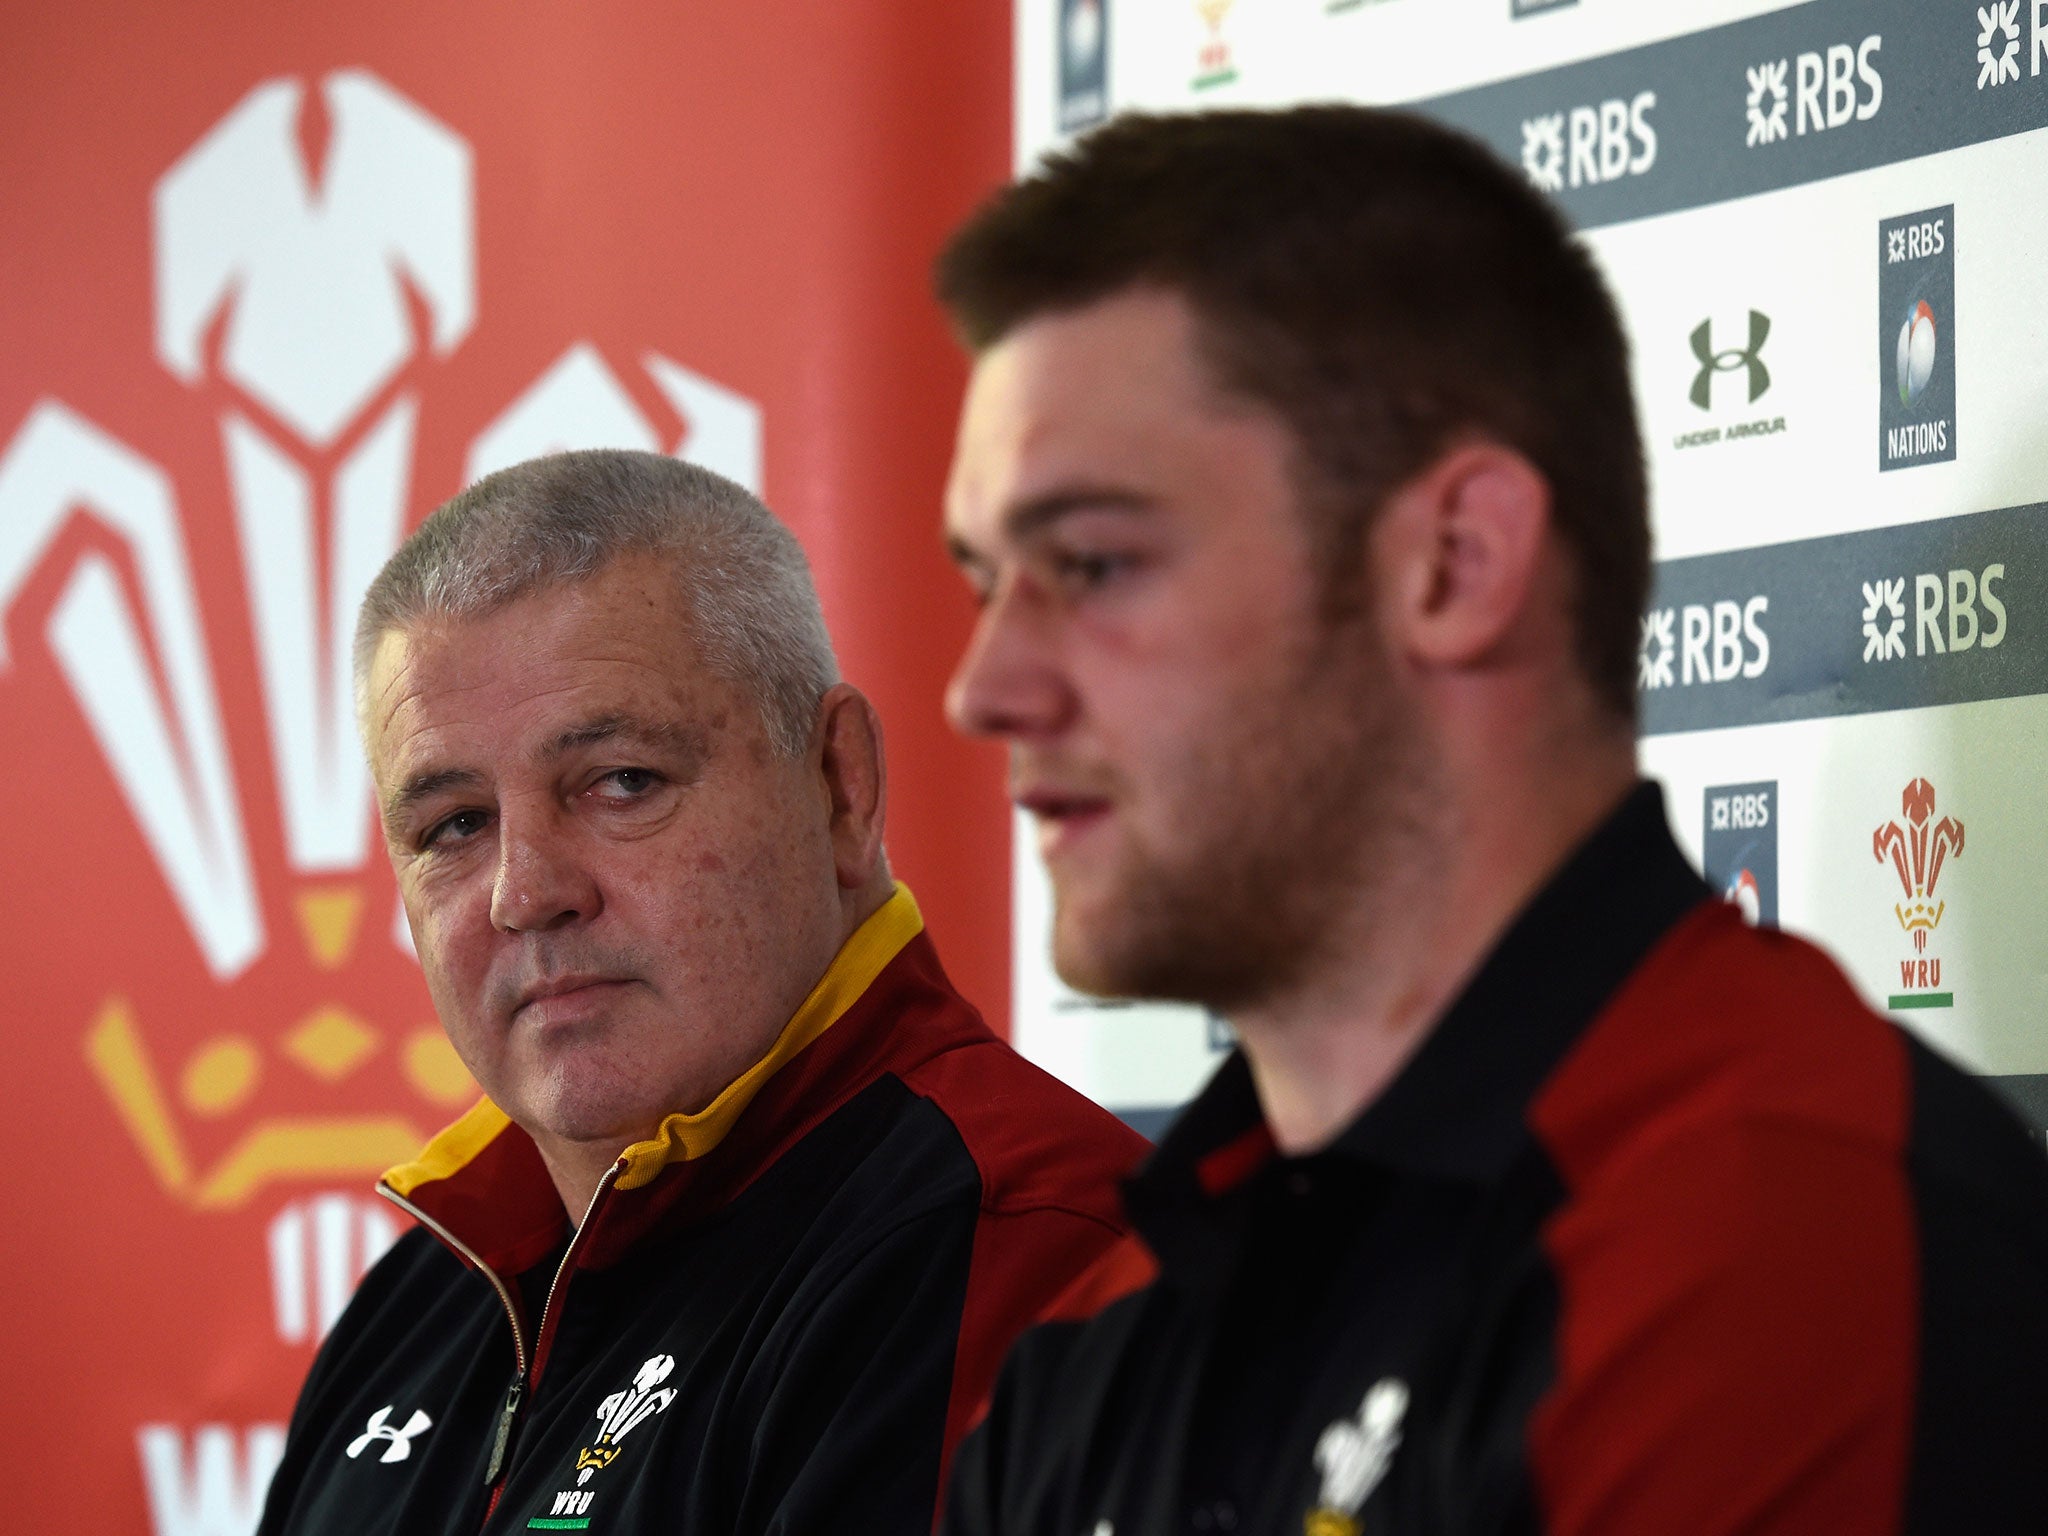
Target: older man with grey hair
754,1201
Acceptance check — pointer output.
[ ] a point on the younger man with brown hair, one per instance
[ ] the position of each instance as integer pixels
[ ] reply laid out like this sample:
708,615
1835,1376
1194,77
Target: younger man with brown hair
1300,484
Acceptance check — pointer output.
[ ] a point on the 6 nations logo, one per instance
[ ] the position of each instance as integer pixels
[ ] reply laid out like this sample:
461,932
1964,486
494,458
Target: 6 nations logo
1916,335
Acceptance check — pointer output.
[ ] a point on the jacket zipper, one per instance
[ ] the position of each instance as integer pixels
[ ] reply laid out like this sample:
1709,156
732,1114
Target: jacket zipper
525,1364
501,1442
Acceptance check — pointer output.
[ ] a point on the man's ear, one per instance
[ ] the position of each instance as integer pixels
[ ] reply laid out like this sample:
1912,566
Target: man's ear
848,740
1457,551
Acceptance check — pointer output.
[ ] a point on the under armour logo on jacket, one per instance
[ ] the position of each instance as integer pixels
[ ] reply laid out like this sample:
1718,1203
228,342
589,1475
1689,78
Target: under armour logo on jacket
401,1439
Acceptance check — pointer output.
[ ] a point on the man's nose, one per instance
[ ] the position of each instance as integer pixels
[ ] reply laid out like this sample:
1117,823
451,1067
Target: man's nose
1010,681
542,882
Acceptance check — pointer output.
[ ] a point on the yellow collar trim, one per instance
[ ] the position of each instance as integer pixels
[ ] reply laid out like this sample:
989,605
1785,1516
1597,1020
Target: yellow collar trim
852,971
450,1150
682,1137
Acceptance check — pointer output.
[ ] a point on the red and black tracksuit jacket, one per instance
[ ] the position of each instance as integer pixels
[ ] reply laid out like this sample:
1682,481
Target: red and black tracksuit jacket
1659,1231
777,1317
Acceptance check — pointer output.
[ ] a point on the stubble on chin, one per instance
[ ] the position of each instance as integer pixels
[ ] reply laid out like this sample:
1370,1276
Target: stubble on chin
1296,821
1219,938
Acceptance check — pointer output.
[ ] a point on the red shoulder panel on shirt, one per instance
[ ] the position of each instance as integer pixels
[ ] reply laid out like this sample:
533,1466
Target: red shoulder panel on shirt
1126,1268
1735,1255
1050,1162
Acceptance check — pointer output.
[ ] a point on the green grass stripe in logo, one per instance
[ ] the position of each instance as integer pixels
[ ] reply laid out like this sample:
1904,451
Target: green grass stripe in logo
550,1523
1921,1000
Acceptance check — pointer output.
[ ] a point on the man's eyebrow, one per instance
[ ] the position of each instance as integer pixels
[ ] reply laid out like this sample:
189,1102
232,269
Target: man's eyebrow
422,786
684,740
688,741
1041,512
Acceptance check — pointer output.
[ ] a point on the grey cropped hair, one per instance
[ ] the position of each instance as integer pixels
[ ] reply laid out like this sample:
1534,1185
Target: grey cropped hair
551,521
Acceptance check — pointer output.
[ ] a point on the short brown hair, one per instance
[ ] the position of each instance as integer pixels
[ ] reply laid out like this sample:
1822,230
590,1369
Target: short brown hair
1382,283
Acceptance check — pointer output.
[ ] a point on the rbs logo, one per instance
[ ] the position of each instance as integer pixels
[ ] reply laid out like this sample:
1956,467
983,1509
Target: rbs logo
1953,608
1745,813
1819,90
1910,242
1843,97
1590,145
1953,612
1703,643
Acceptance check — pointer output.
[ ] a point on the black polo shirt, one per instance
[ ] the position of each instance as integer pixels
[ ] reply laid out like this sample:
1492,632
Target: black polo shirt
1660,1230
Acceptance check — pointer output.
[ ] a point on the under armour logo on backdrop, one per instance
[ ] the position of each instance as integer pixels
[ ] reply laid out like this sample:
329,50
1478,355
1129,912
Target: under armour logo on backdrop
401,1439
1747,358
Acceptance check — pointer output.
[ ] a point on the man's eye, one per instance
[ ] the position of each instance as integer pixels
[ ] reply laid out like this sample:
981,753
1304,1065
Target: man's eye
627,783
1086,570
454,829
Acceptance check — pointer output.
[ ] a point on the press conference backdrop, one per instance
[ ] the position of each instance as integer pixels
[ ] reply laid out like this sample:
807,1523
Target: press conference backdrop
274,281
1825,227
